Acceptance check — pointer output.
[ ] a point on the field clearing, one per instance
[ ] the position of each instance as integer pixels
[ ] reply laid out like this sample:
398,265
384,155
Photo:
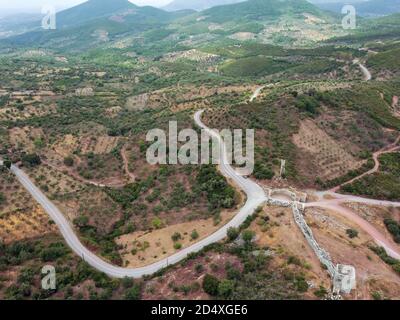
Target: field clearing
276,229
187,276
153,246
20,225
101,211
29,111
16,198
54,183
331,160
25,137
100,144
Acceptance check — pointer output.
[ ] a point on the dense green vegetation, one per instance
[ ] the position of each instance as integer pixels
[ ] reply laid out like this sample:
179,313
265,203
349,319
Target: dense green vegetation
386,60
394,228
254,67
219,193
61,90
71,273
257,9
382,185
31,160
381,252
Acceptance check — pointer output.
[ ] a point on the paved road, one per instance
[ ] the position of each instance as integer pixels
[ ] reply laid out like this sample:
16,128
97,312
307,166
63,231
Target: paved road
364,70
255,197
256,93
341,198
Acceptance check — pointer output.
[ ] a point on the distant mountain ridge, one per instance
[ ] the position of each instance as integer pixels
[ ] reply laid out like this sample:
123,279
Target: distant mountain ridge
256,9
372,8
92,9
97,21
197,5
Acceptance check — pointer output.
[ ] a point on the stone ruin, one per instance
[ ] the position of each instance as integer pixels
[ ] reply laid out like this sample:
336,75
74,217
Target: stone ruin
343,276
345,279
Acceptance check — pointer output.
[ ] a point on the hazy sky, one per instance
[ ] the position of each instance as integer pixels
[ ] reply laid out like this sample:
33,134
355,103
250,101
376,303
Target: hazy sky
33,5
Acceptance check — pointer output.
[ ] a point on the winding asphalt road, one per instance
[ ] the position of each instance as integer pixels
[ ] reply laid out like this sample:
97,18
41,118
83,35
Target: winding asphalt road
364,70
255,197
256,93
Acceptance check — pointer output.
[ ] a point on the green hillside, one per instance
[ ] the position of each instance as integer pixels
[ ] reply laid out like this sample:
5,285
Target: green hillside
259,9
91,10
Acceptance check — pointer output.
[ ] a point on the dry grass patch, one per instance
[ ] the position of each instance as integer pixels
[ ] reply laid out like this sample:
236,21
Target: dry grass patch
25,224
329,229
143,248
24,138
15,198
53,182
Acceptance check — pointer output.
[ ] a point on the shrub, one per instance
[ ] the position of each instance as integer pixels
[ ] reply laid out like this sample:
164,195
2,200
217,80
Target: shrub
52,253
31,160
7,164
81,221
352,233
176,236
376,295
2,198
232,233
133,293
225,288
157,223
199,268
301,285
294,260
394,228
321,292
210,285
194,235
177,246
69,161
127,282
219,193
248,236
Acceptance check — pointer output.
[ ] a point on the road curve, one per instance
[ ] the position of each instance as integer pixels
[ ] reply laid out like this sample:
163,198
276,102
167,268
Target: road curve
364,70
255,197
256,93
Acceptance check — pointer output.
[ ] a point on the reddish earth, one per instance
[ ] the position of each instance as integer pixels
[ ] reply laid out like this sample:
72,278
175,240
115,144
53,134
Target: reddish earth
172,282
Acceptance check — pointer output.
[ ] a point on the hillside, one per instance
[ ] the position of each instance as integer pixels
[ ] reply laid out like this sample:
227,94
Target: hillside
94,23
78,105
92,9
260,9
287,23
197,5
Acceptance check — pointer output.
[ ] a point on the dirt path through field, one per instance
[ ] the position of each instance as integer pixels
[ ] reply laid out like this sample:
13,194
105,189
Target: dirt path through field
126,164
393,147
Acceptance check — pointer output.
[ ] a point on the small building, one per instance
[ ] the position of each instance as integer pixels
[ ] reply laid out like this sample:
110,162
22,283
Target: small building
345,279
